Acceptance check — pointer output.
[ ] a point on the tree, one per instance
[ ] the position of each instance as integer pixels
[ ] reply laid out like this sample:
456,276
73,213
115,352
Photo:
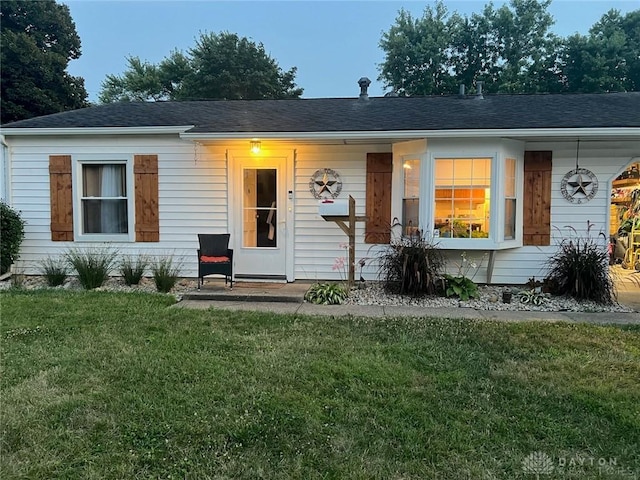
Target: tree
417,61
608,59
38,41
220,66
511,49
527,60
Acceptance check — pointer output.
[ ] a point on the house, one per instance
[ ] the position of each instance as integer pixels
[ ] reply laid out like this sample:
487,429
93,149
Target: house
497,176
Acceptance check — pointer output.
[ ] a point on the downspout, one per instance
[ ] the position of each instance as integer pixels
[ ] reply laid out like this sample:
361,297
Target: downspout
4,170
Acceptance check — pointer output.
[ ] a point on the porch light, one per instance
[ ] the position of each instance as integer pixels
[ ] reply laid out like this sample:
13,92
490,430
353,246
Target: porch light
256,146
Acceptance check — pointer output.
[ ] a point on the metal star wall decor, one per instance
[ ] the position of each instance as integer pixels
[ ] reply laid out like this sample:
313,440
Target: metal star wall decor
325,183
579,185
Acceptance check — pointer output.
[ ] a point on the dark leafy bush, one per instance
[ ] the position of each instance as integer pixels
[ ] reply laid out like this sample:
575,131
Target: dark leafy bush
326,294
580,268
132,270
55,271
11,236
411,265
93,265
165,273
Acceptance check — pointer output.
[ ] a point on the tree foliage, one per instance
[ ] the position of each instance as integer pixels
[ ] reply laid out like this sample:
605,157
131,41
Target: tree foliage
219,66
608,59
512,49
38,41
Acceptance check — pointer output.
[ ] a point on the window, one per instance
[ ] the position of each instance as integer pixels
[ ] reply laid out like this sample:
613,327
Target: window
462,197
259,210
509,199
95,200
411,197
104,200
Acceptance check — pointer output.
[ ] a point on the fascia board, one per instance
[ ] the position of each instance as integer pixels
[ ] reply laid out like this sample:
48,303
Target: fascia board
8,132
404,134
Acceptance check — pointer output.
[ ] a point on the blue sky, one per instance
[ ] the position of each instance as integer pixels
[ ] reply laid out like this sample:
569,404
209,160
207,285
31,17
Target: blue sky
332,43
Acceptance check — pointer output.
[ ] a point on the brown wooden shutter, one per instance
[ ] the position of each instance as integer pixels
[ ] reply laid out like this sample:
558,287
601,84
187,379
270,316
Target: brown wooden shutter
378,226
145,171
61,198
537,198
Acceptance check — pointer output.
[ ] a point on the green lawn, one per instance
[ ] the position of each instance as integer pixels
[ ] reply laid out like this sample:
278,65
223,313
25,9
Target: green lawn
99,385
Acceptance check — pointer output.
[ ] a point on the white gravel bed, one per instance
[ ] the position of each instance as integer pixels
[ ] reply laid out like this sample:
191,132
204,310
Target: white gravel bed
113,284
371,293
490,298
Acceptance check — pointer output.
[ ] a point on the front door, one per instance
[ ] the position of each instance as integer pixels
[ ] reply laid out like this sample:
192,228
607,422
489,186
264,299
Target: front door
260,220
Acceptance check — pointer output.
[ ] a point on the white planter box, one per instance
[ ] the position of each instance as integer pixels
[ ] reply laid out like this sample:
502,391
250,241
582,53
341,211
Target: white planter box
333,207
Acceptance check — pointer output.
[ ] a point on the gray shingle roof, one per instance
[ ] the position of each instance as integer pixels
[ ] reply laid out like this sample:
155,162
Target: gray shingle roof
352,114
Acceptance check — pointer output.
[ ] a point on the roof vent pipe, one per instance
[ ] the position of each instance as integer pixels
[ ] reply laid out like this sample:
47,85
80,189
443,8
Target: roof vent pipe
479,88
462,90
364,83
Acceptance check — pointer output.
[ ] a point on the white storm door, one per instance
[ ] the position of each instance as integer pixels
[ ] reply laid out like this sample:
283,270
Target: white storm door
260,223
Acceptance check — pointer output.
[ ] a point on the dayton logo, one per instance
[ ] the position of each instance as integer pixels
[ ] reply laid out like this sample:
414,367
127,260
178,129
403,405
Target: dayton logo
537,463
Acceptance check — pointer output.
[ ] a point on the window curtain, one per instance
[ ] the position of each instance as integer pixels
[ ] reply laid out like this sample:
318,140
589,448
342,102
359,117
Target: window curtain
114,210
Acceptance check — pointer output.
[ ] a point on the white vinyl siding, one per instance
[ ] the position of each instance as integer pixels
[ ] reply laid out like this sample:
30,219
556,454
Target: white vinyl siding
194,198
192,193
317,242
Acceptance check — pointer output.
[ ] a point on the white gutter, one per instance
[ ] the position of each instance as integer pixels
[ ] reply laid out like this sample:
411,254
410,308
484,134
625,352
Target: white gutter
174,129
403,134
346,135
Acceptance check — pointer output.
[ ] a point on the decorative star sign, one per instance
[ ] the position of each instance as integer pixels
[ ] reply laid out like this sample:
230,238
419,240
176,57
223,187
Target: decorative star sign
325,184
579,185
583,182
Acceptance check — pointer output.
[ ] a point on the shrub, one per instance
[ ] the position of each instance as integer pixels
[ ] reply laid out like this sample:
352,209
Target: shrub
165,273
580,268
411,265
55,271
326,294
93,265
132,270
12,228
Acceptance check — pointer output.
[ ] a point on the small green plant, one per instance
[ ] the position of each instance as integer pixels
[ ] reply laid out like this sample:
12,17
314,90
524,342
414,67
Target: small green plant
411,265
326,294
132,270
54,270
533,296
12,228
461,287
93,265
165,273
580,267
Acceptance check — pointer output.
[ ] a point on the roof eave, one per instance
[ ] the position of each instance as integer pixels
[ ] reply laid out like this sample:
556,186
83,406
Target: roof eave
155,130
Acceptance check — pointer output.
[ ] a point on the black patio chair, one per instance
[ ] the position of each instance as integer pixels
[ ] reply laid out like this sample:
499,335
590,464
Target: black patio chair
215,257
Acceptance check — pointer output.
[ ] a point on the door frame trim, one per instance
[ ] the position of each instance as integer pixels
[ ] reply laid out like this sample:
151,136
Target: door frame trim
287,159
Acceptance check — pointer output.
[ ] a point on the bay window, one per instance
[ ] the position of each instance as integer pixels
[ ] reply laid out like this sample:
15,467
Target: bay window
465,193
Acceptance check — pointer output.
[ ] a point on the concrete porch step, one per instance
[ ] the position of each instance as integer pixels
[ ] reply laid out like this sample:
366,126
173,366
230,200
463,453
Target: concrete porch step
250,291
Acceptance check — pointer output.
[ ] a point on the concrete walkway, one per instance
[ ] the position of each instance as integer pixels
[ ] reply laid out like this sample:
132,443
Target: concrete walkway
289,298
